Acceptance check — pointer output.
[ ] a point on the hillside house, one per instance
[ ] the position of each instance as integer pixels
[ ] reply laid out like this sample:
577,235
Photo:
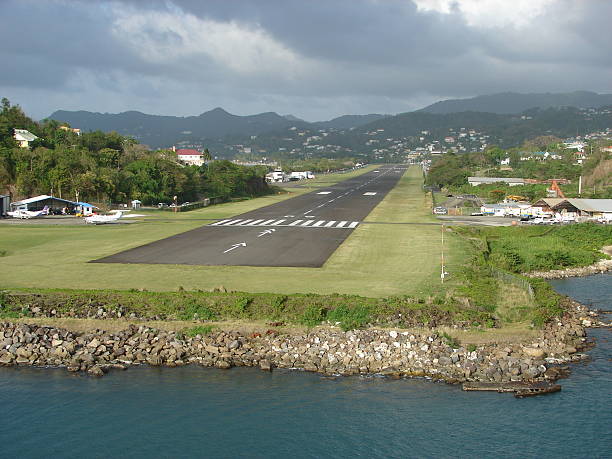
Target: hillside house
69,129
24,137
189,156
573,145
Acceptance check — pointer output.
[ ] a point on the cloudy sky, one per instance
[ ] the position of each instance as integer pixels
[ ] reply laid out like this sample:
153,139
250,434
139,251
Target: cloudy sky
315,59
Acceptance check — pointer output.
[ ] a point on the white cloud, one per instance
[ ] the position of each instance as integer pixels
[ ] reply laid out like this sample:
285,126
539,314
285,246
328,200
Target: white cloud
490,13
167,37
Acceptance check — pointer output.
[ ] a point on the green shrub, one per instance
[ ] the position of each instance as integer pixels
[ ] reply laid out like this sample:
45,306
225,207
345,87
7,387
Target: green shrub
312,315
350,318
239,308
192,310
277,306
548,302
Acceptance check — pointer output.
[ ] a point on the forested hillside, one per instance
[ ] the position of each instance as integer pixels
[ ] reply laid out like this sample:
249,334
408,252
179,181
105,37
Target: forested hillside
452,170
108,167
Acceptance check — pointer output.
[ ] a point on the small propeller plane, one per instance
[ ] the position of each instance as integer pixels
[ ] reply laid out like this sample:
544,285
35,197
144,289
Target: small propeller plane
27,214
104,219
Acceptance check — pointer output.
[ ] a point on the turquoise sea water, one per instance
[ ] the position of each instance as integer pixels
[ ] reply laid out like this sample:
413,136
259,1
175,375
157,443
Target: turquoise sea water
197,412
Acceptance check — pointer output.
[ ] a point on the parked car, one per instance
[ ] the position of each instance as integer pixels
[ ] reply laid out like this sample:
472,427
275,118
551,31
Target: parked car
542,221
440,210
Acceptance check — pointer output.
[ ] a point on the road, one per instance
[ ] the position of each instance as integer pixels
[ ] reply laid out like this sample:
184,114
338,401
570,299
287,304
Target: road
299,232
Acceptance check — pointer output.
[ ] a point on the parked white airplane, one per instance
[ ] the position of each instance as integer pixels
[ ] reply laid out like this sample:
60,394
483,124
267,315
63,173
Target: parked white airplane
103,219
20,213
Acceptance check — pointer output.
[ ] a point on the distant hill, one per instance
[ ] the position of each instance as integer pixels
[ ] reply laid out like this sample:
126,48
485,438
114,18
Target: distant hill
350,121
513,103
163,131
504,129
512,129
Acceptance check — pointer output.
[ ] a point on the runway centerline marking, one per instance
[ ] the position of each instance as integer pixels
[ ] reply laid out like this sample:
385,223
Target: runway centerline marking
370,193
324,192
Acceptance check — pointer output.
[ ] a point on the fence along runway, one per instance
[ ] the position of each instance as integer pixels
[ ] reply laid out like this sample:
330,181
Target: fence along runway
299,232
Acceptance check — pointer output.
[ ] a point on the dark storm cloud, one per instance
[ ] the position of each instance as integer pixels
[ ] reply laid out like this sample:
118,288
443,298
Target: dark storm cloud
315,59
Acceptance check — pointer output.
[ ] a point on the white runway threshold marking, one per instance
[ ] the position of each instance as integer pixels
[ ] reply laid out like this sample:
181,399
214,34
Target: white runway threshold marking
312,223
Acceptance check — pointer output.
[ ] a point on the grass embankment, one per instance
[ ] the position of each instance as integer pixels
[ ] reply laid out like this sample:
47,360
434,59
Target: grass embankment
542,248
376,260
493,281
349,311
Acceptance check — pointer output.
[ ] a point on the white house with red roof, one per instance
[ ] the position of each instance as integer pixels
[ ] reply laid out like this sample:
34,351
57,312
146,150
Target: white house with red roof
189,156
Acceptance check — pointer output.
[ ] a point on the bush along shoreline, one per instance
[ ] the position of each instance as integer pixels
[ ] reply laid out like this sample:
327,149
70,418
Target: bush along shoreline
599,267
325,350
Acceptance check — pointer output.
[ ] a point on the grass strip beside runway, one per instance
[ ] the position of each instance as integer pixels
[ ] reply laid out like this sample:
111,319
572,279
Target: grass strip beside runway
376,260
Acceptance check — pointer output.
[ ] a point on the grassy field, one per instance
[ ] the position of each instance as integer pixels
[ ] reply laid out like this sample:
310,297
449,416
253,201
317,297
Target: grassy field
377,260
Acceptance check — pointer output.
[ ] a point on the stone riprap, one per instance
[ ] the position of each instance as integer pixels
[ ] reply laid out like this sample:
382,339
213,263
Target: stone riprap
325,350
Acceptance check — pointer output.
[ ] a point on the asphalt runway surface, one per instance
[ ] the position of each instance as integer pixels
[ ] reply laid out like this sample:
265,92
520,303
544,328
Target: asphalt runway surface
299,232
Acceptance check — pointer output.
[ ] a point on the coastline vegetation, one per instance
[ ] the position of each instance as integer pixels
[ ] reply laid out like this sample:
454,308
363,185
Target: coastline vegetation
502,254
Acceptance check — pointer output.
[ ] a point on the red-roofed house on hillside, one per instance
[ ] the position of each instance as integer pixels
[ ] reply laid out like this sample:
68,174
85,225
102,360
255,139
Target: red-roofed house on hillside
189,156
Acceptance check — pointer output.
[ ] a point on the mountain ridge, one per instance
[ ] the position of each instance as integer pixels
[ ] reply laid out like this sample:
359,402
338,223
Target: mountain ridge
510,103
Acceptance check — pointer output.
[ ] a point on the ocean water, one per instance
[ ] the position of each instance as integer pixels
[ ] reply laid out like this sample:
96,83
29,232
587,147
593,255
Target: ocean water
243,412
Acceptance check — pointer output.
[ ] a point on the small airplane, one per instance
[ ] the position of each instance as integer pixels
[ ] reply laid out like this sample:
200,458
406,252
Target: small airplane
26,214
104,219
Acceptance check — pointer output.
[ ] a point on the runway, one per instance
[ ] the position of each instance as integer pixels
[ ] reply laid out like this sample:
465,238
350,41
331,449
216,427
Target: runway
300,232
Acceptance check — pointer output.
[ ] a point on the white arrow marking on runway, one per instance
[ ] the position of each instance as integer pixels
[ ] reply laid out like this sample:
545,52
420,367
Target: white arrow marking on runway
235,246
263,233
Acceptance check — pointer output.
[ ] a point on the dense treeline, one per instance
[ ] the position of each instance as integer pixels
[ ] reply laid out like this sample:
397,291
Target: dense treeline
108,167
452,170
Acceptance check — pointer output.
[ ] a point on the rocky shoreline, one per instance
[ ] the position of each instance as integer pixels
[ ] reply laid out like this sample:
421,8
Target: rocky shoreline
325,350
602,266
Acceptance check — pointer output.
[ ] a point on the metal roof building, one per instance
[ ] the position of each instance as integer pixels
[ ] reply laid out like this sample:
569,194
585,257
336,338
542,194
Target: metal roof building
38,202
474,181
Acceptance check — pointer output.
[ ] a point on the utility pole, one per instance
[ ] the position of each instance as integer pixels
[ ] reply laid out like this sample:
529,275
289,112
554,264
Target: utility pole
442,273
